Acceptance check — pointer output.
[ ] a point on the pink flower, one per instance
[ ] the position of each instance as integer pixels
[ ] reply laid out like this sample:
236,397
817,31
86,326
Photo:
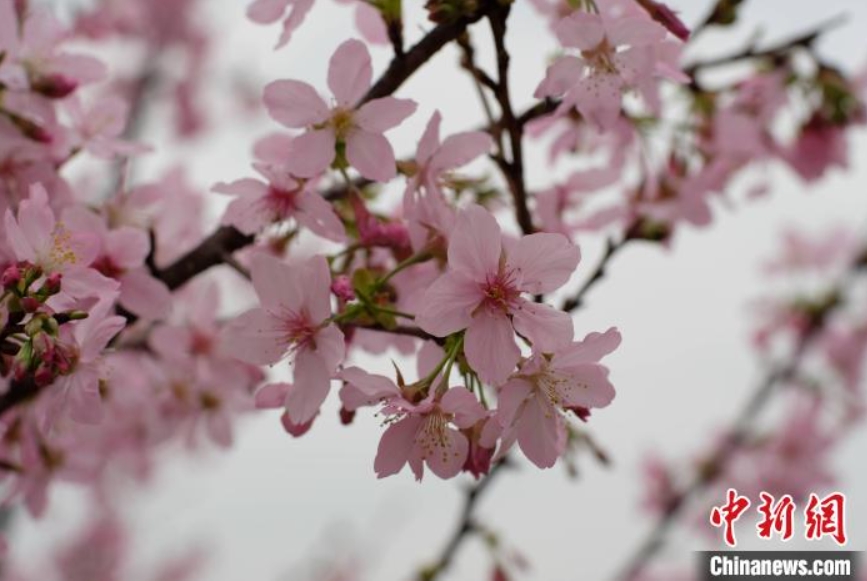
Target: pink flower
532,401
296,104
421,433
482,293
270,11
427,212
259,204
616,54
37,237
83,347
121,255
99,128
434,158
293,319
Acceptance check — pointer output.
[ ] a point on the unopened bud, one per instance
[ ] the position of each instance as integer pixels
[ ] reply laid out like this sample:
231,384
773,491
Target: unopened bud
52,284
11,277
54,86
342,288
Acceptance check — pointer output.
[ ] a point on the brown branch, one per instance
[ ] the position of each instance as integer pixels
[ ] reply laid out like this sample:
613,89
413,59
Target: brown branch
465,525
611,249
512,169
773,52
404,65
19,392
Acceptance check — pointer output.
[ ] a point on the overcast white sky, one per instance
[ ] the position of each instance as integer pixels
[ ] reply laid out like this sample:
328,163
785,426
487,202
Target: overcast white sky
273,502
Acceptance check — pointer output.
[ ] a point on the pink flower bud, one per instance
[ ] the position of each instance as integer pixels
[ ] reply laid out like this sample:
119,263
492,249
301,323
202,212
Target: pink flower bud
11,277
30,304
54,86
52,283
342,288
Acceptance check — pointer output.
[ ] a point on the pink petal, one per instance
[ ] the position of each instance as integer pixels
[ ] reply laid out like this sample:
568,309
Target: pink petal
634,31
144,295
128,247
311,387
541,433
475,244
464,405
588,386
279,287
591,349
371,155
295,104
296,17
296,430
85,403
544,261
461,149
429,356
380,115
318,216
490,346
350,72
330,346
448,454
370,24
430,139
448,305
546,327
580,30
395,446
315,279
247,213
311,153
562,75
510,400
272,396
364,389
255,337
219,428
598,99
266,11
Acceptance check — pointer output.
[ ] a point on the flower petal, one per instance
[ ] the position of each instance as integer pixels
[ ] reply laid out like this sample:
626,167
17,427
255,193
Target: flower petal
380,115
475,244
311,153
546,327
448,305
295,103
490,346
371,154
395,446
545,261
311,387
350,72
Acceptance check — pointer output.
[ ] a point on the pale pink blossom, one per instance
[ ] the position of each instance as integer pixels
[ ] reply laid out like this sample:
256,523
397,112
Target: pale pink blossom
531,403
483,289
83,346
616,54
293,320
293,13
296,104
37,237
258,204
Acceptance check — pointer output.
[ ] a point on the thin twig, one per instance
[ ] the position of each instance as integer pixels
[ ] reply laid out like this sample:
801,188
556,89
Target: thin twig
513,168
465,525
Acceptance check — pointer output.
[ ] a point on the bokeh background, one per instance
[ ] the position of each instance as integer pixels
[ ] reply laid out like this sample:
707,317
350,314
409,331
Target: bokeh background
272,507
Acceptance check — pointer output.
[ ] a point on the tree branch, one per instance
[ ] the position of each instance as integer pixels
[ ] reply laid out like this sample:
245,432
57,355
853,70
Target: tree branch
465,525
512,169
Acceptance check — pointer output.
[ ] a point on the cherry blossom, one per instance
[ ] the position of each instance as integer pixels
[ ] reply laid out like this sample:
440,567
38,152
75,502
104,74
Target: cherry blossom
293,321
532,401
483,287
360,129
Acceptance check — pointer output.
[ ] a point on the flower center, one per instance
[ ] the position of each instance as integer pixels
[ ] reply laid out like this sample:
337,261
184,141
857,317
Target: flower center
282,202
61,251
299,331
342,122
434,436
500,292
